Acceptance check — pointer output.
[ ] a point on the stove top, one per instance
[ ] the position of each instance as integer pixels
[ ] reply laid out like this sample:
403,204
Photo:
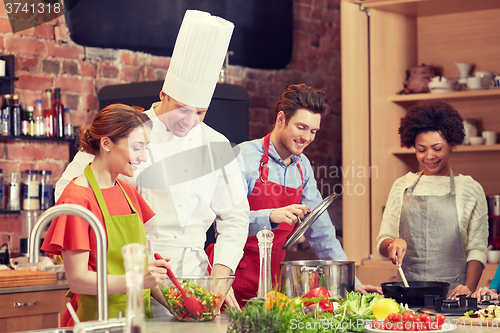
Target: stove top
448,307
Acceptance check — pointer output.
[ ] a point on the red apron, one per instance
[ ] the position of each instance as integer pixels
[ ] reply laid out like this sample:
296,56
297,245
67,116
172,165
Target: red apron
265,195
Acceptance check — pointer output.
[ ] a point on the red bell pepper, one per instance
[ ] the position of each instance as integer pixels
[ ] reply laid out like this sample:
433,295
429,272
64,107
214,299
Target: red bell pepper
319,292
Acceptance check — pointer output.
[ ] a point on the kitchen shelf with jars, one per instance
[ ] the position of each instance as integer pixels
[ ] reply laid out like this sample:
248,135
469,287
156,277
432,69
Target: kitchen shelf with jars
377,49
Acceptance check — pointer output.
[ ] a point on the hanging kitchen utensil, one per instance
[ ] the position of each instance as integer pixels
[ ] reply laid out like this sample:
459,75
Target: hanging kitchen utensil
192,304
301,227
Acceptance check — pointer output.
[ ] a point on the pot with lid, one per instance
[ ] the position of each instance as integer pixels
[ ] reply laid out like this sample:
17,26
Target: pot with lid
300,276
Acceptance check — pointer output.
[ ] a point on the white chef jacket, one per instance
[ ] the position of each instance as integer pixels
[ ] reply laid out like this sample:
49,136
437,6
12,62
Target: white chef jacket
202,188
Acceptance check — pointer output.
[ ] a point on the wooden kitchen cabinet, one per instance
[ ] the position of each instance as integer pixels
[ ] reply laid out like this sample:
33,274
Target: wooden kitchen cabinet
32,310
380,40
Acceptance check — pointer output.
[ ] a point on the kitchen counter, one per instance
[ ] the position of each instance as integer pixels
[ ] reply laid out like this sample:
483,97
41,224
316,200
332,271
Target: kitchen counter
219,324
171,325
61,284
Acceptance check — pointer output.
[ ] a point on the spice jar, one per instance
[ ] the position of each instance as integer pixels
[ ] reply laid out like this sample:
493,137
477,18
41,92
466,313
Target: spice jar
13,191
46,190
31,183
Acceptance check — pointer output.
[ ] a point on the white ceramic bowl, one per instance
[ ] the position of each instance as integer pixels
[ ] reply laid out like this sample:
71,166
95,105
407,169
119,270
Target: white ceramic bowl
476,140
493,256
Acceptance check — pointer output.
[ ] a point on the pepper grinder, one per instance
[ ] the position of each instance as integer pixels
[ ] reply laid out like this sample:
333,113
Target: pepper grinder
134,256
265,238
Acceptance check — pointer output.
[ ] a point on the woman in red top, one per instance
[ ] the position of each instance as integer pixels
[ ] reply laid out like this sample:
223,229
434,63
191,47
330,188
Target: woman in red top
117,137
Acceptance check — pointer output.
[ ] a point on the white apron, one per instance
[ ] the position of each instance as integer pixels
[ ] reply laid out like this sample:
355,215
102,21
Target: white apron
429,225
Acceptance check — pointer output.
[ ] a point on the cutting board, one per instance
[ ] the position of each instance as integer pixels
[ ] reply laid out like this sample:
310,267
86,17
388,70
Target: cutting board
12,278
478,322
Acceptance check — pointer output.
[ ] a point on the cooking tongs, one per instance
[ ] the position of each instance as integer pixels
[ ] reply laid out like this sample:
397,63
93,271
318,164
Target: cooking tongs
302,226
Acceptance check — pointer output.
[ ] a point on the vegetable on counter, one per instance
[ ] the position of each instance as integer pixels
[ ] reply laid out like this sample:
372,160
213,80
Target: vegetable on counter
409,321
360,304
209,301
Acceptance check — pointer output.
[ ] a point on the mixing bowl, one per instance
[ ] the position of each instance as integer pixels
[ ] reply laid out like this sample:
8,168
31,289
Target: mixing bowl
211,291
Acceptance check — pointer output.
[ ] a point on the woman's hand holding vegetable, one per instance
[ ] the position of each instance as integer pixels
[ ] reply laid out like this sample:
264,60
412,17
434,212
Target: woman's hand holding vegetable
155,272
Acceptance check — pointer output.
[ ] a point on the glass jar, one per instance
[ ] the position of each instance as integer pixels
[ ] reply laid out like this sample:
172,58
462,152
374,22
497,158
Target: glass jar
46,190
13,191
31,186
470,129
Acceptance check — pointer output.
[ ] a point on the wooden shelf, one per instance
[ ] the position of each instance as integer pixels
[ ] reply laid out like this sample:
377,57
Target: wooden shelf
460,149
452,95
32,138
428,7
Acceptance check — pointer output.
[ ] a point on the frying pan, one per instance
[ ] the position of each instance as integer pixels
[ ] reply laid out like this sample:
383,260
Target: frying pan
415,294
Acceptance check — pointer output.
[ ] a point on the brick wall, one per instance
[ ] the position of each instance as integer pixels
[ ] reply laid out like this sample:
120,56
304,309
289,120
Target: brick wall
47,58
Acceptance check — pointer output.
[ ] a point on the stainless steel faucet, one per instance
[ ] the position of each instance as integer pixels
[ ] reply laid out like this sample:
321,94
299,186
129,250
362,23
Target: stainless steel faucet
100,235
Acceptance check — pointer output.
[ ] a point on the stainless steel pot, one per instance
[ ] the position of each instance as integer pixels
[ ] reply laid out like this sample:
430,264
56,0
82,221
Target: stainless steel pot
300,276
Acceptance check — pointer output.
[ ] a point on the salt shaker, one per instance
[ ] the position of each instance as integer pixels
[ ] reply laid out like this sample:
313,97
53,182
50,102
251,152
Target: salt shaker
265,238
134,258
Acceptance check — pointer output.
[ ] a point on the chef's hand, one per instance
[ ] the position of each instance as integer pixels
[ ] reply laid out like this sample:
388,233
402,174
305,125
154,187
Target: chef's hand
485,291
288,214
368,288
155,272
223,271
231,300
396,247
460,290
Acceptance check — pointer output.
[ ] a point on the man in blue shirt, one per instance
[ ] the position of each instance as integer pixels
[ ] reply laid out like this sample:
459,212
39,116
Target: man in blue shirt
281,188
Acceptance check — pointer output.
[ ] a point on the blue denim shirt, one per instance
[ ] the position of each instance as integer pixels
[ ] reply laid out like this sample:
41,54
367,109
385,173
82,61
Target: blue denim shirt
321,235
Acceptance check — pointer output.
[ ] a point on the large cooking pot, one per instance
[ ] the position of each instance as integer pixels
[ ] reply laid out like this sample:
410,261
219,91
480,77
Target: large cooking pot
415,294
300,276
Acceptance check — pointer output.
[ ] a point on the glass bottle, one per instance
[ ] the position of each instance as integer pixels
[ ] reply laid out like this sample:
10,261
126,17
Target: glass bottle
68,128
25,128
31,197
38,118
134,260
49,115
13,195
265,238
31,122
6,115
16,117
46,190
59,113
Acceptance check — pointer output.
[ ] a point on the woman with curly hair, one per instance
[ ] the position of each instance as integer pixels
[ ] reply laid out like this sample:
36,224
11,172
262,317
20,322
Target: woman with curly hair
118,137
435,221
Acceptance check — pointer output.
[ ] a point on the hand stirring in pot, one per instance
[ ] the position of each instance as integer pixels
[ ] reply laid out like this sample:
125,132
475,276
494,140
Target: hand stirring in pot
403,277
192,304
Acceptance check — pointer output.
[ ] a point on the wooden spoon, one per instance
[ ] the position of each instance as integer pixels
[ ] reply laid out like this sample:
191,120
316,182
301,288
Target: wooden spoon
403,277
192,304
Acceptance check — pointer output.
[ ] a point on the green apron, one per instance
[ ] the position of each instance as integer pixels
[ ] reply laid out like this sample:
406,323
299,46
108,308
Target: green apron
121,230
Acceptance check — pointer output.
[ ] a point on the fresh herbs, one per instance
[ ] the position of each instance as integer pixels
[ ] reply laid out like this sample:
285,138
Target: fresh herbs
286,316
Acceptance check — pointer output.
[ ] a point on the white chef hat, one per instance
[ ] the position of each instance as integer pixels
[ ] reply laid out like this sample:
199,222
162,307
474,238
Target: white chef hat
197,59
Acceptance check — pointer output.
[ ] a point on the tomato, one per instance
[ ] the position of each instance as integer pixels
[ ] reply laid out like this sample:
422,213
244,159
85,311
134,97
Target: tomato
390,317
440,318
425,327
398,326
398,316
424,317
409,316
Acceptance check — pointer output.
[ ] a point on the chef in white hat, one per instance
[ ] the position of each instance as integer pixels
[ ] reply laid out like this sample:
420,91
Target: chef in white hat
191,178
